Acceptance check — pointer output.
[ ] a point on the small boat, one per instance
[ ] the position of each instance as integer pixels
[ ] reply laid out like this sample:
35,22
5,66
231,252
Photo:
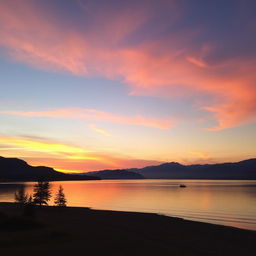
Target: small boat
183,186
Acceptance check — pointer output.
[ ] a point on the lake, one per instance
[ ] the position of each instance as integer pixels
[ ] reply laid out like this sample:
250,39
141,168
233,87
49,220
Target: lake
231,203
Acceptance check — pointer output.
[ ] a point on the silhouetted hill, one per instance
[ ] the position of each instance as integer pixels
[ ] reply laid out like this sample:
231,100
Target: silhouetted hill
244,170
241,170
14,169
116,174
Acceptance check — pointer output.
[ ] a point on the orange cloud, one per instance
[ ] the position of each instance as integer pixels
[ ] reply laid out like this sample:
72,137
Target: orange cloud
41,146
166,67
93,114
238,109
63,156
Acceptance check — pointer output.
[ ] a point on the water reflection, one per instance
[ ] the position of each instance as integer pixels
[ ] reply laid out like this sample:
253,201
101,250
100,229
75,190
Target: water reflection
7,191
222,202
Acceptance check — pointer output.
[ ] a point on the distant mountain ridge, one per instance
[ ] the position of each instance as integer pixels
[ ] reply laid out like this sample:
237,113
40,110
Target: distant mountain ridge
243,170
14,169
116,174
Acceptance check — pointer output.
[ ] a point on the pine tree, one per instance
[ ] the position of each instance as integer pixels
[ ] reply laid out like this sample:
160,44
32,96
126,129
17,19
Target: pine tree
30,200
60,199
20,196
42,193
29,209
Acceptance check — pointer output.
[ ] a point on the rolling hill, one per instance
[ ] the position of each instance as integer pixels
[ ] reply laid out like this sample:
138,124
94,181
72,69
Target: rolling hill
14,169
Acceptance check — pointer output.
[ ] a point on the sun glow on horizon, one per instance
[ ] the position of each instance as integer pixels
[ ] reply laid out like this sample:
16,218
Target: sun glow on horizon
67,171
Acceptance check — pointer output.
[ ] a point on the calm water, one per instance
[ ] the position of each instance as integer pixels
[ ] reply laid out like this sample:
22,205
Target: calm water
230,203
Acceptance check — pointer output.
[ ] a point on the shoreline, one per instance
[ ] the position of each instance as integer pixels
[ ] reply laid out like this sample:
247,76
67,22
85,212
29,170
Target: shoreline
193,219
63,230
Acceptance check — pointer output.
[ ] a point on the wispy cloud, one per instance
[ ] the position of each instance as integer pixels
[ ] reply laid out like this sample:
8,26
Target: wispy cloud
97,115
41,146
99,130
174,65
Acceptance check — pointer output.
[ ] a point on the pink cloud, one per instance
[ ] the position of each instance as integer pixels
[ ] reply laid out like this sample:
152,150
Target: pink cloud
166,67
97,115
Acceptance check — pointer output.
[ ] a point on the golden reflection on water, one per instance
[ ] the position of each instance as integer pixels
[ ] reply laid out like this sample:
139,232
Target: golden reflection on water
222,202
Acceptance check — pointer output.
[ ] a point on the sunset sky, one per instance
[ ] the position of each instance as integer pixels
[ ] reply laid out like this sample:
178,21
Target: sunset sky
95,84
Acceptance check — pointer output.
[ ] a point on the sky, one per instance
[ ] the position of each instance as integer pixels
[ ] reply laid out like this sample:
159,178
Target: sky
92,84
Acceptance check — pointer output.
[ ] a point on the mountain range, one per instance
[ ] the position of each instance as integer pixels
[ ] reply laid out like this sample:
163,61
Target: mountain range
14,169
243,170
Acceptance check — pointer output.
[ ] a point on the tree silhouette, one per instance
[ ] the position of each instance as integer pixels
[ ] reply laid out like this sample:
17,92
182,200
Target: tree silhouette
20,196
60,199
42,193
30,200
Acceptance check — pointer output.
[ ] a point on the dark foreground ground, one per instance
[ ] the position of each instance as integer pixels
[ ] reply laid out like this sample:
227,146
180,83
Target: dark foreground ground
81,231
